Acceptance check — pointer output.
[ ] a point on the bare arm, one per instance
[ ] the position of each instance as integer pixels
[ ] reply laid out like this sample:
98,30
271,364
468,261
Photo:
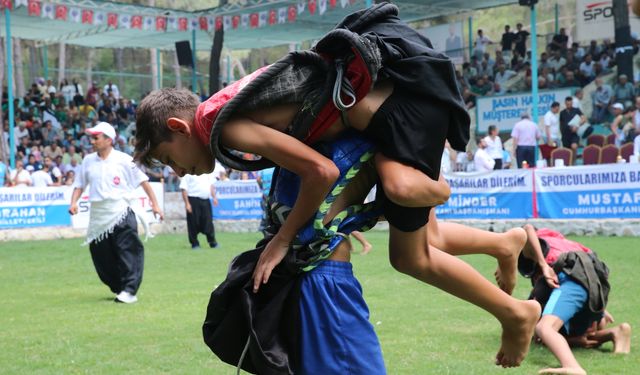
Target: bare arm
185,198
317,175
533,251
73,207
213,195
155,207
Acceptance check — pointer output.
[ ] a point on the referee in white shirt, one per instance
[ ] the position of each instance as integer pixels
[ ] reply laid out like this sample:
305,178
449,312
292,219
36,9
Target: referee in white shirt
196,192
112,235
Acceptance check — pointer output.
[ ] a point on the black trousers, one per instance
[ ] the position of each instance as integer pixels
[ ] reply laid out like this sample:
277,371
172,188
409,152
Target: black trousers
527,153
200,221
498,164
119,258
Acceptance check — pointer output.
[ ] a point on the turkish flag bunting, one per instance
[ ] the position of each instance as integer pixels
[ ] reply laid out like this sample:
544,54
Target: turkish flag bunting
218,23
8,4
183,24
332,3
136,22
272,17
292,13
112,19
34,8
61,12
161,23
312,6
204,24
87,16
235,21
254,20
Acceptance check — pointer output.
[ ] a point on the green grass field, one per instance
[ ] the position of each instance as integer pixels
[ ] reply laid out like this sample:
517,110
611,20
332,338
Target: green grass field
57,318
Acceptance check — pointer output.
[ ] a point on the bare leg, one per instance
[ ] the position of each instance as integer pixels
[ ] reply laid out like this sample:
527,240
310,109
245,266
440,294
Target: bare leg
366,246
458,239
547,329
410,253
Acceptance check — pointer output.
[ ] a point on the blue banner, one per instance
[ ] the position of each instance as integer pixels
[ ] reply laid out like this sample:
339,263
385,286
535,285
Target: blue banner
238,200
589,192
504,194
34,207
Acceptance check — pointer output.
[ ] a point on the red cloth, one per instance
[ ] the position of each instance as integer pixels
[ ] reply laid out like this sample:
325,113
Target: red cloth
558,244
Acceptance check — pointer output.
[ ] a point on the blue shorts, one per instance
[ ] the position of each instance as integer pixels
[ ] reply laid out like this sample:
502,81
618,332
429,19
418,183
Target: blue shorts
569,303
335,334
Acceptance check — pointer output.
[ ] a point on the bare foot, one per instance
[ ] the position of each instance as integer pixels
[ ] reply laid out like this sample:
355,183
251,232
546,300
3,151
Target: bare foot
563,370
517,334
366,248
506,273
622,339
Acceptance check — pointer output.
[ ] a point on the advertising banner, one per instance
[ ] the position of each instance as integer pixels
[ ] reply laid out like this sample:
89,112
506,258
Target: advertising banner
238,200
140,200
447,38
34,207
504,194
505,110
594,20
589,192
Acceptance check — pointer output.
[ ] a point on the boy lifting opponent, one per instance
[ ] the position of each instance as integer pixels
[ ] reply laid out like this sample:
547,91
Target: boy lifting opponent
409,129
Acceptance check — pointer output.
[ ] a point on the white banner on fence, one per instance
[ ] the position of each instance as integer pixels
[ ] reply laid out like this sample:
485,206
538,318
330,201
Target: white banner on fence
141,201
447,39
22,207
594,20
505,110
589,192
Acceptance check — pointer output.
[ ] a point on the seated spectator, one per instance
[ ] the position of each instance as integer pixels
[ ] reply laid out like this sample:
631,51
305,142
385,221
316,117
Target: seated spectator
502,58
570,80
69,178
469,72
53,151
622,125
54,170
485,69
73,165
481,87
42,178
577,51
556,62
503,74
19,177
21,131
623,91
33,164
577,99
587,70
4,174
469,98
594,50
601,99
573,62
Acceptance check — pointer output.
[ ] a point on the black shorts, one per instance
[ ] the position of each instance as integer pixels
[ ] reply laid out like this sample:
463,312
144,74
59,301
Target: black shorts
568,139
410,129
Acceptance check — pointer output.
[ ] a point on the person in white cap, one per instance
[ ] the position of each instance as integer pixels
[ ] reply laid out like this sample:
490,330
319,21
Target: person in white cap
618,123
112,177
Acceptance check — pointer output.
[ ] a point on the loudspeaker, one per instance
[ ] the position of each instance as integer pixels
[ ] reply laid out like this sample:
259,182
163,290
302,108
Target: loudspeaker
528,3
183,50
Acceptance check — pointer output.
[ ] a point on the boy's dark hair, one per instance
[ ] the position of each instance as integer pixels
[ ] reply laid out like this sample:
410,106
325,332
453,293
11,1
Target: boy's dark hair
152,115
491,128
556,104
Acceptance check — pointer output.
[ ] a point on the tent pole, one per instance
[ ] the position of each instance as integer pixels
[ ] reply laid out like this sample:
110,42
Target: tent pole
8,40
534,70
45,62
194,80
470,22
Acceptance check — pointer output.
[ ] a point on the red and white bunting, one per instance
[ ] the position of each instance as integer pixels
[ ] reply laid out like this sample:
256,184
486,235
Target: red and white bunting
161,23
204,25
322,7
6,4
48,11
148,22
75,15
34,8
136,22
87,16
78,14
282,15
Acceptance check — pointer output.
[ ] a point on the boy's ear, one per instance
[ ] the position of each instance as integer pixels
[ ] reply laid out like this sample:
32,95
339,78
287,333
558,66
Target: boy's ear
179,126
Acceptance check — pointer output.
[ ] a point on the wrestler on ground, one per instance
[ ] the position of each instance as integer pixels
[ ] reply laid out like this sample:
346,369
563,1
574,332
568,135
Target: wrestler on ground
410,131
116,249
571,283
